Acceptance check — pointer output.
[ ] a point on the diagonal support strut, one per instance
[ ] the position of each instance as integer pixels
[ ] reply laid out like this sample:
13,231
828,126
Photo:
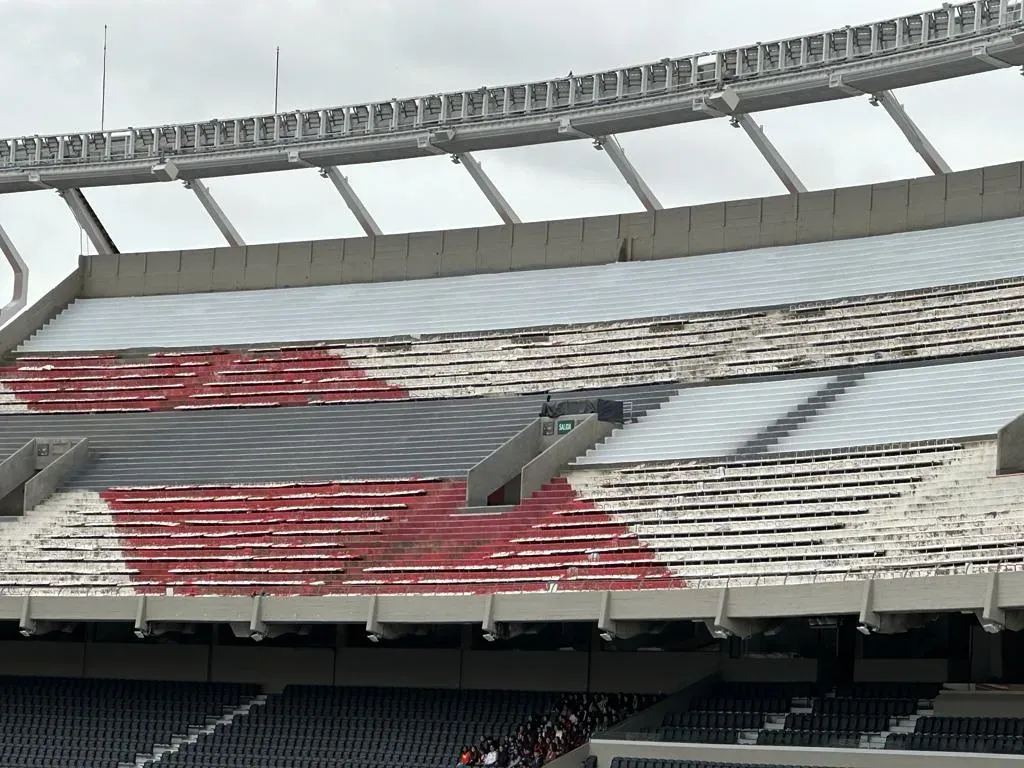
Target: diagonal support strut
87,219
202,192
768,151
629,172
366,221
19,293
915,135
491,192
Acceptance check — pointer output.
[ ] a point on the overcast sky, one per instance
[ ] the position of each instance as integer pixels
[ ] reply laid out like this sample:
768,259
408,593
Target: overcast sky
183,60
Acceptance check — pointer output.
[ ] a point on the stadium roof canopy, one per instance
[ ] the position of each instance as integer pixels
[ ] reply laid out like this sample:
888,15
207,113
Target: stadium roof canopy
871,59
954,40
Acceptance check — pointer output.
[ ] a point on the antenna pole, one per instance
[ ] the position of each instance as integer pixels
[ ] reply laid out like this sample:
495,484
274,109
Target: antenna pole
277,75
103,86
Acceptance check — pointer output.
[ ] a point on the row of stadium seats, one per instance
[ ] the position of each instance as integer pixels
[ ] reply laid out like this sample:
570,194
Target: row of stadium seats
301,445
861,715
915,509
68,723
791,714
1004,745
925,402
378,536
961,258
819,739
308,726
932,323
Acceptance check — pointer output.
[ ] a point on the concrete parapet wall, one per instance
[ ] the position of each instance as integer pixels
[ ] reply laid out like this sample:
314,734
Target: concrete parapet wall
542,468
55,471
964,197
42,310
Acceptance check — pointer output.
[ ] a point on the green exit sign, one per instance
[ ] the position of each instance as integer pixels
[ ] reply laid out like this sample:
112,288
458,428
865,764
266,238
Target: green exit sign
565,426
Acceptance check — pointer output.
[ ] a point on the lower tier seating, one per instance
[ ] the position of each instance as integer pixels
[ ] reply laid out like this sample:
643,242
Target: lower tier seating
800,715
939,322
70,723
1000,735
320,727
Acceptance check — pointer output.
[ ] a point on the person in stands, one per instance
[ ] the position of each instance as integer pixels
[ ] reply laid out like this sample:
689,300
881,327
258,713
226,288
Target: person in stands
542,739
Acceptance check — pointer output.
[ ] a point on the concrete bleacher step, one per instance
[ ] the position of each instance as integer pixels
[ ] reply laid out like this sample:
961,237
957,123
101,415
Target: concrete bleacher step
801,414
195,732
496,509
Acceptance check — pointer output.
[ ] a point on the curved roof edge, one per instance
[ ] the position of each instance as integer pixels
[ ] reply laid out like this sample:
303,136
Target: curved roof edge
954,40
964,197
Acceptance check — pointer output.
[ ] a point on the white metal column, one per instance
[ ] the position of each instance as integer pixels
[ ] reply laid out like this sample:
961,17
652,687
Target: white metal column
366,221
629,172
491,192
915,135
202,192
768,151
88,221
19,294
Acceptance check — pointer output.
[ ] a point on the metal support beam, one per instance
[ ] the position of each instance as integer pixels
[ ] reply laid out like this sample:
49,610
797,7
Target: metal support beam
491,192
915,136
775,159
19,294
352,200
636,182
223,223
88,221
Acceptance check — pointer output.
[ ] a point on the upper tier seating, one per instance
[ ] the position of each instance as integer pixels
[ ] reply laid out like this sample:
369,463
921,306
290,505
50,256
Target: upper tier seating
400,536
288,445
426,439
923,324
885,511
70,723
759,278
927,402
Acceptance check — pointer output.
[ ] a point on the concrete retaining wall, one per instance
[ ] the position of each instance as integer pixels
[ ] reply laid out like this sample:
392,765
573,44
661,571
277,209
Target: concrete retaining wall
964,197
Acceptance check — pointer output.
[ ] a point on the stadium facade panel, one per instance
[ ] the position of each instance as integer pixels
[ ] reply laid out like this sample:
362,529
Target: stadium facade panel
963,197
992,596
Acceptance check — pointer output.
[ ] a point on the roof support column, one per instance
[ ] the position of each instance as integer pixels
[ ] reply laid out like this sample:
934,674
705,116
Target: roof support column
88,221
223,223
636,182
915,136
491,192
19,294
768,151
366,221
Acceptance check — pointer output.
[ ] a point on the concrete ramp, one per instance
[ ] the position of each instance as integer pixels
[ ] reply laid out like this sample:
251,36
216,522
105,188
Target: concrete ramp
37,469
523,464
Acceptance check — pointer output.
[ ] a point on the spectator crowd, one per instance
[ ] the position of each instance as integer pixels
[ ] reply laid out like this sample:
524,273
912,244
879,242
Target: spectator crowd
570,724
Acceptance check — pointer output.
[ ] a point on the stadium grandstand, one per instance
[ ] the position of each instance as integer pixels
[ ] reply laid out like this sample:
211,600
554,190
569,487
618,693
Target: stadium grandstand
739,484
